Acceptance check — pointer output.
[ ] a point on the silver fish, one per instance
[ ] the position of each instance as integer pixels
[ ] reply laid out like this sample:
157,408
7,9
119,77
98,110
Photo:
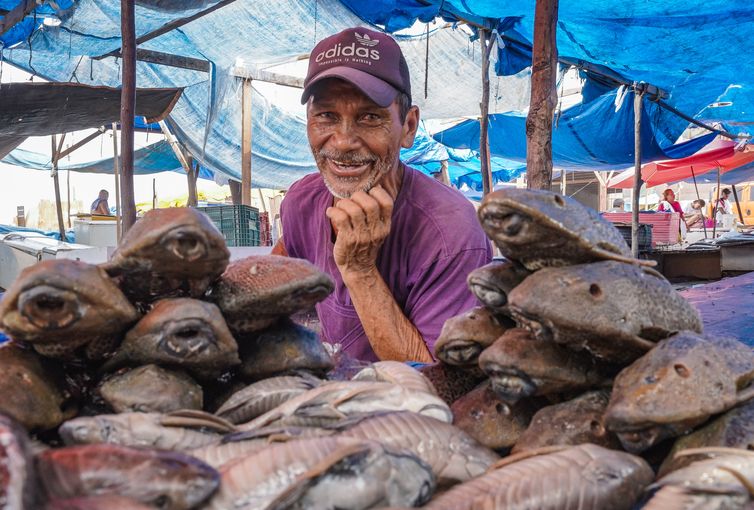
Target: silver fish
397,373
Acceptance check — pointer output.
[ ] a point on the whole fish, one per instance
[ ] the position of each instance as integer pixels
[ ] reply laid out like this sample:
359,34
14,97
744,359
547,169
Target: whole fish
616,311
464,337
453,455
521,365
397,373
450,382
677,386
723,482
175,252
324,473
182,332
577,421
540,228
159,479
239,445
182,430
280,348
492,283
490,421
17,476
59,306
331,402
151,389
30,390
733,429
584,477
97,503
265,395
253,293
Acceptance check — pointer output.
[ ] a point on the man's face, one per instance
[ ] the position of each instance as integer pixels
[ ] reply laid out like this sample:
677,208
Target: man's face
355,142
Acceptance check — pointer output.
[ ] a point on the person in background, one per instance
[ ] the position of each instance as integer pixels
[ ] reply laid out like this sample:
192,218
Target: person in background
669,203
100,206
618,205
723,203
693,215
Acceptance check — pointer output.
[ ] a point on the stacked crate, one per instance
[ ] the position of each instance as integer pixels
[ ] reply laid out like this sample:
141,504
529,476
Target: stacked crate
666,227
239,224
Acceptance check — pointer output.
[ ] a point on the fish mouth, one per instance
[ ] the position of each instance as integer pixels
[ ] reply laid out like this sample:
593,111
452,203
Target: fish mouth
186,244
488,294
460,352
50,308
637,440
503,222
187,338
509,384
540,328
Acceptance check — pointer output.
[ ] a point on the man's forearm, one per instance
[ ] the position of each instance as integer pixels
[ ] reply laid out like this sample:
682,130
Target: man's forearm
391,334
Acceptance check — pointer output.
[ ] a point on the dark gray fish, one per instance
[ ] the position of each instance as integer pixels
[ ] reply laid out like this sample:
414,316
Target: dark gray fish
151,389
492,283
255,292
59,306
18,481
159,479
174,252
465,336
281,348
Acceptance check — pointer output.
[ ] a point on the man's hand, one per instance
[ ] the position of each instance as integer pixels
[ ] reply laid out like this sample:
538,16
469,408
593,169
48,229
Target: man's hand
362,223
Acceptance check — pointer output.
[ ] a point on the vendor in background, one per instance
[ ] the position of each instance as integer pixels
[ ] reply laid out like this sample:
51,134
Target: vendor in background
618,205
723,203
669,203
100,206
693,215
398,244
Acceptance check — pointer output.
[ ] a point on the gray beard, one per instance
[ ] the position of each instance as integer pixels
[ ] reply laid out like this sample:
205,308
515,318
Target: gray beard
383,166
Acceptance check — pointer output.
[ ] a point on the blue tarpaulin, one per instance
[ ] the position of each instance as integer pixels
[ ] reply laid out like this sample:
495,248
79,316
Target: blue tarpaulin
595,136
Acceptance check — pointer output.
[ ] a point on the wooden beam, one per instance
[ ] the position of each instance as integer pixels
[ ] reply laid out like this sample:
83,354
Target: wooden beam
252,72
246,143
56,182
168,59
169,27
127,107
235,191
82,142
638,95
17,14
543,96
175,145
191,176
484,120
116,171
738,205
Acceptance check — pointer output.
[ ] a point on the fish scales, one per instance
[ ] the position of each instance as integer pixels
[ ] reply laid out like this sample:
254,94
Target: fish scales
263,396
585,477
397,373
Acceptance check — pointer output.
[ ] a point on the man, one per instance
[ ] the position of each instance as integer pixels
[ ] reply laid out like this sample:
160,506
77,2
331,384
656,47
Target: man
398,244
693,215
618,205
100,205
723,204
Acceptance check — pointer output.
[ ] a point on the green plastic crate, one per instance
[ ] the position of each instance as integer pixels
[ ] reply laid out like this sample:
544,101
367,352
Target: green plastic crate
239,224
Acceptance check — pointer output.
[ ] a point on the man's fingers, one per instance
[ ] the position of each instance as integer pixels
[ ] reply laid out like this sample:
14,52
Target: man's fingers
354,211
339,218
384,200
369,205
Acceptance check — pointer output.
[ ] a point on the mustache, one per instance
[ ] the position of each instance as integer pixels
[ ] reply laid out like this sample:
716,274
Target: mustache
350,157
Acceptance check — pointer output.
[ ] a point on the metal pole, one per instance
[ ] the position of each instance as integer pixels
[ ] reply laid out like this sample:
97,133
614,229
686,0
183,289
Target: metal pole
116,171
56,182
738,206
704,222
154,193
544,96
638,95
563,183
68,186
484,140
127,106
714,209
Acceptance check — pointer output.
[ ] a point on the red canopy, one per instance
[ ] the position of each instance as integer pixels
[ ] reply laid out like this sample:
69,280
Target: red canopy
718,154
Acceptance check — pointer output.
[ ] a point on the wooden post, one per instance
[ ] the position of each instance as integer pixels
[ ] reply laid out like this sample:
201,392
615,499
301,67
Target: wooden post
235,191
127,106
563,182
191,175
714,209
638,95
738,206
246,143
444,175
56,182
68,186
154,193
696,187
116,170
484,120
543,96
602,192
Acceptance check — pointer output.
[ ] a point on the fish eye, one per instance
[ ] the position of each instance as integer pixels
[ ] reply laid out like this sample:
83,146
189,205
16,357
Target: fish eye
596,428
682,370
595,290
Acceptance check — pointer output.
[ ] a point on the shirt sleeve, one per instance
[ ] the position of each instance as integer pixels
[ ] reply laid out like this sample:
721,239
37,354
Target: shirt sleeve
441,292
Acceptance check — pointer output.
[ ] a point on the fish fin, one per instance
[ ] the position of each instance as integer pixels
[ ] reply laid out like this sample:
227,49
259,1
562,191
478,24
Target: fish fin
711,451
190,418
611,255
306,480
352,394
740,477
745,394
511,459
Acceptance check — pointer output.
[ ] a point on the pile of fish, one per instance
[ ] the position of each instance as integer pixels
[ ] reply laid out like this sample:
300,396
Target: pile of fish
172,378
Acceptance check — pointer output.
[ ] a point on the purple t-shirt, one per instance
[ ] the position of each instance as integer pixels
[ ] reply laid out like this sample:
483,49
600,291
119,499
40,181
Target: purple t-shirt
435,240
